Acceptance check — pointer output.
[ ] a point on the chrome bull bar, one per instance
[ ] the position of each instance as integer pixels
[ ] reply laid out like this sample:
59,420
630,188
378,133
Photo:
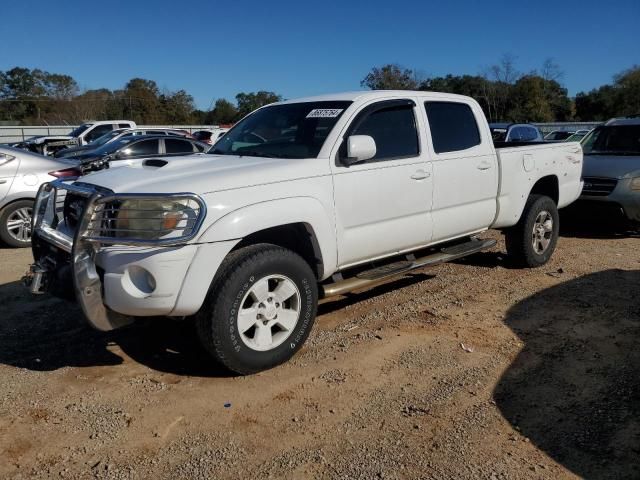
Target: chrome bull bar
49,227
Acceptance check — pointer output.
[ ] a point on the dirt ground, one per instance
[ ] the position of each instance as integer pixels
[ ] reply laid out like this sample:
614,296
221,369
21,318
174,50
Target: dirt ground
467,370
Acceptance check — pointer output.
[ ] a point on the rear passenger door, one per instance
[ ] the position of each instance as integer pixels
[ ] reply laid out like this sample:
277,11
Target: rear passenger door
465,170
382,205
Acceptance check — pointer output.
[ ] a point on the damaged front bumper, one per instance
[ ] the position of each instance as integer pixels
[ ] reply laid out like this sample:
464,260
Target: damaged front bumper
70,237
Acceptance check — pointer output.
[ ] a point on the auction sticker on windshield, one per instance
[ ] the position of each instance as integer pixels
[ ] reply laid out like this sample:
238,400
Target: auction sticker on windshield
324,113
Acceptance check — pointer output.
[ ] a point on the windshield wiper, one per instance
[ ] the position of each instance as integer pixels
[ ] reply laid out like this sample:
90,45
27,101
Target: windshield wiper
254,153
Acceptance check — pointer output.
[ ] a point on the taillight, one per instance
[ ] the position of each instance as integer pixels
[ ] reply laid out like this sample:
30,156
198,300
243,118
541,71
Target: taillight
67,173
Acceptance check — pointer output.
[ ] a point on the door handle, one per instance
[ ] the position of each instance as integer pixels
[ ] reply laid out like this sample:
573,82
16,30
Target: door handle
3,181
420,175
484,166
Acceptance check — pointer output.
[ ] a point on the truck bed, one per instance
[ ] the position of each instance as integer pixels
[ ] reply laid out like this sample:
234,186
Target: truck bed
523,164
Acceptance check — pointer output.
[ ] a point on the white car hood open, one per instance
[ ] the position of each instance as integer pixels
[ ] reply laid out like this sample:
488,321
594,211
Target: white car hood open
199,174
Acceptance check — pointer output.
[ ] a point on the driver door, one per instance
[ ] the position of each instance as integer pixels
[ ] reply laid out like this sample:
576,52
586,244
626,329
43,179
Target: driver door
383,205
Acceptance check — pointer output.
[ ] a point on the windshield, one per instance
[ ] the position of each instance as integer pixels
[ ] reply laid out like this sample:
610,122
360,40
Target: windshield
113,146
293,130
613,140
76,132
105,138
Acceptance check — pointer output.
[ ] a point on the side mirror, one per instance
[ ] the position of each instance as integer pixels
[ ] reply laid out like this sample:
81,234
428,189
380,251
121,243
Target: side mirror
359,149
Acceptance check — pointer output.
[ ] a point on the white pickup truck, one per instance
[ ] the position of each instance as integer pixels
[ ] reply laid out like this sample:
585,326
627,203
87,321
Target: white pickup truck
301,199
79,136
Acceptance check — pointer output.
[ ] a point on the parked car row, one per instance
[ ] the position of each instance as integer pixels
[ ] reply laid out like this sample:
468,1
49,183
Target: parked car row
82,135
565,135
515,132
117,134
90,147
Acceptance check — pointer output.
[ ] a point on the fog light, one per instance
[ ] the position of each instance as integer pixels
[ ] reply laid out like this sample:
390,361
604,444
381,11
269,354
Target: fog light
138,281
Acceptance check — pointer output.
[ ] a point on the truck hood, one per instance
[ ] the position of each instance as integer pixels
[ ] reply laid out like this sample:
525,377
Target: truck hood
200,173
47,138
612,166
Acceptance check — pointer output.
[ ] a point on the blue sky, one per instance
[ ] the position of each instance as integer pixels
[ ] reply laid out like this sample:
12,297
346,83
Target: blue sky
216,49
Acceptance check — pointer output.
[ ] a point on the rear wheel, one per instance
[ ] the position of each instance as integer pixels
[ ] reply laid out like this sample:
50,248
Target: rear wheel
15,223
260,309
532,241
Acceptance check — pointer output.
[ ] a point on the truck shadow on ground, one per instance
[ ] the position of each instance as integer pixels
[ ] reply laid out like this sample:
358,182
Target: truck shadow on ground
574,390
46,334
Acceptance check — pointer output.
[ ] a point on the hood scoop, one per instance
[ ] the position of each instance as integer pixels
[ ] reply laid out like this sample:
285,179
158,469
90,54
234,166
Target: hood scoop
154,162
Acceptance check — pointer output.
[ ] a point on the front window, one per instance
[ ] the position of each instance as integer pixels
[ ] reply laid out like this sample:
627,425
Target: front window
114,146
293,130
105,138
613,140
97,132
76,132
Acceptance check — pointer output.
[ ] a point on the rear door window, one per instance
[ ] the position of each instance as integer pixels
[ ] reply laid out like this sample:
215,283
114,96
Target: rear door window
175,145
143,148
453,126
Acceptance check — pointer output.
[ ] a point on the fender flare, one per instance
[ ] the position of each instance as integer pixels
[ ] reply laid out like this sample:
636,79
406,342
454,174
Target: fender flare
260,216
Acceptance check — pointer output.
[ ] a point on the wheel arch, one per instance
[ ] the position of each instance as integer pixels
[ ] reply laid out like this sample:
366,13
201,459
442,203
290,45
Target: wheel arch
549,186
17,197
300,224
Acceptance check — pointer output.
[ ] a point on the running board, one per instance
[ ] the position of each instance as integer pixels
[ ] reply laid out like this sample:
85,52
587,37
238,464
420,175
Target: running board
385,272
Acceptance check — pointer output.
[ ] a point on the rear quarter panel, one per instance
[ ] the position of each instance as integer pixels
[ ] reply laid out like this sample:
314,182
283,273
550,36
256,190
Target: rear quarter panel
522,167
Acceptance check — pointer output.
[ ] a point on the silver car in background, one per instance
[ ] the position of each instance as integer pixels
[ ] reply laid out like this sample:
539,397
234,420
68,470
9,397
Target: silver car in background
21,174
611,169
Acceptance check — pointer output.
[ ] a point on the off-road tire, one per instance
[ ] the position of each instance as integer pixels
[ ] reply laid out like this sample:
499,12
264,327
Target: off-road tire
5,214
217,324
519,237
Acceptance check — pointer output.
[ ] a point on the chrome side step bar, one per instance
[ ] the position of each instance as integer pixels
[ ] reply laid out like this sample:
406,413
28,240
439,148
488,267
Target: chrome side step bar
385,272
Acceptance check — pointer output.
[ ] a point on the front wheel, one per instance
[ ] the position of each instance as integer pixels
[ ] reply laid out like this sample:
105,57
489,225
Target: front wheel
15,223
260,309
531,242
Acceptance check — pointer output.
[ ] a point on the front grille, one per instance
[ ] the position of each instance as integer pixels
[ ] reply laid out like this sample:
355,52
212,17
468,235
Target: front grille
598,186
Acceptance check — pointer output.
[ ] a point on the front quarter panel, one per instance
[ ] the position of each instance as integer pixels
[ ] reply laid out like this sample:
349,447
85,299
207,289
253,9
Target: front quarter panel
227,223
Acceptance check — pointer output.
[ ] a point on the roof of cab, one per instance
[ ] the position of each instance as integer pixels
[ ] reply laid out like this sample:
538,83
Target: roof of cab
373,94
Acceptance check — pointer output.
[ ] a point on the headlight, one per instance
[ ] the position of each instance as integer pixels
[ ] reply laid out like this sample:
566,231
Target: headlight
155,219
146,219
6,158
635,183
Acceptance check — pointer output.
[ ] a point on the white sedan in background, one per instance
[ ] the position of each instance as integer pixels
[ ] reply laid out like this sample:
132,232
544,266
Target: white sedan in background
21,174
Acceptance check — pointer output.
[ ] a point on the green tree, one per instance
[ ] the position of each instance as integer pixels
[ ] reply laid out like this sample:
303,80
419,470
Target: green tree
620,98
627,85
177,107
248,102
391,77
224,112
141,100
